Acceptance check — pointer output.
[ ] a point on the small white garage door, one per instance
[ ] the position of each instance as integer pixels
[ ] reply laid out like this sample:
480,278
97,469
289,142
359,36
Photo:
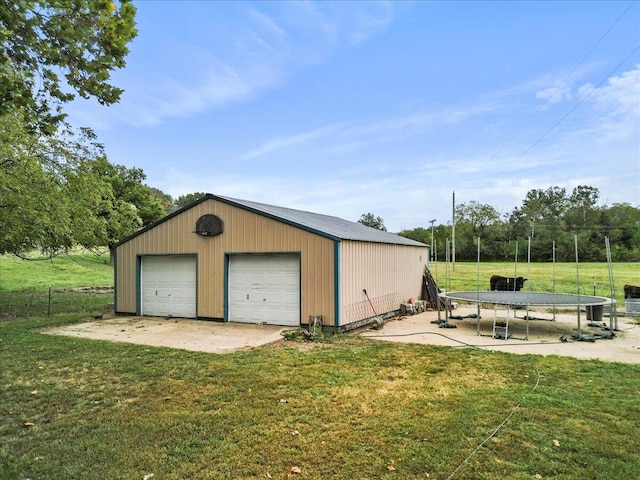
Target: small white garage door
168,285
264,288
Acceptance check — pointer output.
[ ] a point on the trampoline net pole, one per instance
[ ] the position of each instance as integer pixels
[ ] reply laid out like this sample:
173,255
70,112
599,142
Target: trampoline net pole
478,290
613,313
553,275
578,283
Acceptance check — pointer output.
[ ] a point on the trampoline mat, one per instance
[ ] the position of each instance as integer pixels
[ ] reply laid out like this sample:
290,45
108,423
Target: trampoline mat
528,298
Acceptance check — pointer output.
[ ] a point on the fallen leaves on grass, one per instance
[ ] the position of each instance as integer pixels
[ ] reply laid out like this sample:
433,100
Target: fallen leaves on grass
556,443
296,470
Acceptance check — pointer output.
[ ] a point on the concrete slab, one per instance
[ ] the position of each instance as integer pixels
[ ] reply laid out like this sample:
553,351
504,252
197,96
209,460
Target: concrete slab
544,336
196,335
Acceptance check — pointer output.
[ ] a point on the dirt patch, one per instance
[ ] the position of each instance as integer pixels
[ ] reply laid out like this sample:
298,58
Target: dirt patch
105,290
545,335
195,335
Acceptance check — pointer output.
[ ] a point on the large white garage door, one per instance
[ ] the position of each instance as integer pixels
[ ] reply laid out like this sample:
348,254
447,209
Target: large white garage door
264,288
168,286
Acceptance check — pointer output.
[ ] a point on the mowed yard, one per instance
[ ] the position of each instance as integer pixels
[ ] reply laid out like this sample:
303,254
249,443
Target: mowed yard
349,407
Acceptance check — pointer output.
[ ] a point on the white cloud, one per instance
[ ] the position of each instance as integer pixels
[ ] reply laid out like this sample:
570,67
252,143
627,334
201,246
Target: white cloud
596,145
256,49
286,142
554,95
348,138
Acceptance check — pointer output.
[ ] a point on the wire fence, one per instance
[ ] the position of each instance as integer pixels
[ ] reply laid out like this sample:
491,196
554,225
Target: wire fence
90,300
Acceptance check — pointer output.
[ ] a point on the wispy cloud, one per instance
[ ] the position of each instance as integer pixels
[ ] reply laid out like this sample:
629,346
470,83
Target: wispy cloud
287,142
264,43
349,137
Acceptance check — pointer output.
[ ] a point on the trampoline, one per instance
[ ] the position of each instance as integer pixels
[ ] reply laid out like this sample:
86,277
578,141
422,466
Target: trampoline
523,299
538,299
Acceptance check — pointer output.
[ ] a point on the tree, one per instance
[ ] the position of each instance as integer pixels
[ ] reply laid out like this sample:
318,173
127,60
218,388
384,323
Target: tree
538,207
621,224
48,46
188,199
130,204
59,192
418,234
479,215
370,220
582,205
51,197
165,200
45,202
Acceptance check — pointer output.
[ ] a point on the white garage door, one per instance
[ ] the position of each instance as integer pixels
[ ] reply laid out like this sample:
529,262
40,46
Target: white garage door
168,286
264,288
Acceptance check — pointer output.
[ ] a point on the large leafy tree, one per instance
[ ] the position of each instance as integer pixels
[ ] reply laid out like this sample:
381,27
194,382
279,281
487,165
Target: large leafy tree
52,50
129,205
57,192
187,199
51,196
45,202
165,200
370,220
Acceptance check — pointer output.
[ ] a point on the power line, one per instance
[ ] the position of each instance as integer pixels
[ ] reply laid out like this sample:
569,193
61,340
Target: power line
575,106
541,106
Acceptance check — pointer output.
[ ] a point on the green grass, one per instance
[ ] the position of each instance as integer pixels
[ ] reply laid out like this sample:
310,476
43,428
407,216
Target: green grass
346,409
63,271
77,408
24,284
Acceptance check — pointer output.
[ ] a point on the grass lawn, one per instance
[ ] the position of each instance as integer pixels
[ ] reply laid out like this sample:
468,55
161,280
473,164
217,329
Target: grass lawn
24,284
353,408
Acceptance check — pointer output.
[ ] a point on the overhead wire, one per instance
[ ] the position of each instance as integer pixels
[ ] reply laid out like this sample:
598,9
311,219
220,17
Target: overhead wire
576,105
549,97
540,107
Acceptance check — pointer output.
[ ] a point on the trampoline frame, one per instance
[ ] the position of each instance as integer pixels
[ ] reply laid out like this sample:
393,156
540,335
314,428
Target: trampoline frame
526,299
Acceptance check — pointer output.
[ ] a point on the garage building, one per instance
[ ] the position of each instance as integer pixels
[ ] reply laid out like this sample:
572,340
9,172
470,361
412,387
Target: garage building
242,261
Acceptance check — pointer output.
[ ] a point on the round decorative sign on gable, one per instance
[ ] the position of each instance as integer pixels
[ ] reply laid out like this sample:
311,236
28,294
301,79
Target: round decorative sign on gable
209,226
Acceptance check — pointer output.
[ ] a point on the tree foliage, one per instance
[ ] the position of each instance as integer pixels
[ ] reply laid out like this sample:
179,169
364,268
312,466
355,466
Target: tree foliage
57,189
58,192
50,49
370,220
547,218
187,199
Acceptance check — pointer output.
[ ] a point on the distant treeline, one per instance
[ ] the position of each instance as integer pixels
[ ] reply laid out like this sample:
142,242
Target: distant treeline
545,217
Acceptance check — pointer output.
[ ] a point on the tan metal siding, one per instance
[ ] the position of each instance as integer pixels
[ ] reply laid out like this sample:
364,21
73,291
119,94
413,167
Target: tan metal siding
391,274
244,232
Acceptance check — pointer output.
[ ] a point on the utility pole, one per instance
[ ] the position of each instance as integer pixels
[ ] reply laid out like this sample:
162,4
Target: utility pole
431,249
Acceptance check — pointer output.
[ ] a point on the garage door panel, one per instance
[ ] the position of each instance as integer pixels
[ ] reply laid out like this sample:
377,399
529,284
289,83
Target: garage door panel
264,288
168,286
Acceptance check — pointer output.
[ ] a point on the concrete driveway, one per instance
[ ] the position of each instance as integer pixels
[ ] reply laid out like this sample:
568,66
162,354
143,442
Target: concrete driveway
543,339
196,335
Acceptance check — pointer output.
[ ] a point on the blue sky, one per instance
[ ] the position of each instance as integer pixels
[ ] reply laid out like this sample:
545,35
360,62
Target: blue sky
384,107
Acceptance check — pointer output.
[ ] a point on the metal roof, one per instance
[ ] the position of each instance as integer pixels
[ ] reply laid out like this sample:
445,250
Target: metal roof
326,225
